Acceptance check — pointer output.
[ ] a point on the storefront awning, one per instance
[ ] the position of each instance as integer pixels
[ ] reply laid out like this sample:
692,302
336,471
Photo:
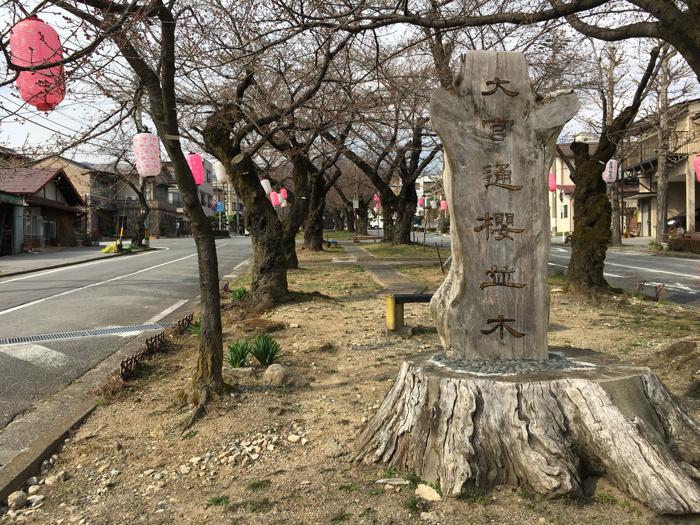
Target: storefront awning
641,196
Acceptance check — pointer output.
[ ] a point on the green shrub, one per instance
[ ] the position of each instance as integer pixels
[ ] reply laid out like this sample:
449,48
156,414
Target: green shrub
238,294
684,245
237,353
219,501
196,327
265,349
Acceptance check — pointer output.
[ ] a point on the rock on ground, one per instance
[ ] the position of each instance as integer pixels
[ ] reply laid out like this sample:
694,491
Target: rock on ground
276,375
17,500
427,493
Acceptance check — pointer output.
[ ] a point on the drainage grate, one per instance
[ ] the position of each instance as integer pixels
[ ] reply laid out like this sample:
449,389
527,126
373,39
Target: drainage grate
60,336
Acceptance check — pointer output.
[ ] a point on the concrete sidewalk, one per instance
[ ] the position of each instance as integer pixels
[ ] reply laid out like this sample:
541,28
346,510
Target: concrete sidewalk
52,258
631,244
382,271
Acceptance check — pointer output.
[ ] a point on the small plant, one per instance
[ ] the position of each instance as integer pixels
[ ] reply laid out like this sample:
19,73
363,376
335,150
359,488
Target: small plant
475,495
347,487
261,505
218,501
237,353
265,349
414,504
338,518
389,472
196,327
531,497
238,294
261,484
605,498
413,479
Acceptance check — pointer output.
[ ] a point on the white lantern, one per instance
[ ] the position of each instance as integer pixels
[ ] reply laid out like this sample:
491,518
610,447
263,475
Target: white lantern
434,204
610,171
266,186
146,154
356,204
220,171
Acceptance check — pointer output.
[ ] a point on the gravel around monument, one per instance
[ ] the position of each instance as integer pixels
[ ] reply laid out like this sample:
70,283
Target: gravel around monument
282,454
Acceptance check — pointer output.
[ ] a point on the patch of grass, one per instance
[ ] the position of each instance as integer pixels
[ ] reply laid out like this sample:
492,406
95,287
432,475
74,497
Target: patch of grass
265,349
605,498
407,251
237,294
530,497
260,505
218,501
196,327
476,495
339,518
375,491
261,484
389,472
237,353
435,486
556,278
189,435
414,504
348,487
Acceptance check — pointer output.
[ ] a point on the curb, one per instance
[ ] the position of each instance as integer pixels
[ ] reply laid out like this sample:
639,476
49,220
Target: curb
28,462
74,263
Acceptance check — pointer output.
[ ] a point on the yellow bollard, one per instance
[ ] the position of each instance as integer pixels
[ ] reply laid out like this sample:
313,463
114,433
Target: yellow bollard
394,314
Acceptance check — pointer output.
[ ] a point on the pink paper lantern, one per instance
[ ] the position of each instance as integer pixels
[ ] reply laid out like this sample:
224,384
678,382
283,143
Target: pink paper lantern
34,43
610,171
275,199
376,198
147,154
552,182
196,164
696,167
283,193
443,205
421,201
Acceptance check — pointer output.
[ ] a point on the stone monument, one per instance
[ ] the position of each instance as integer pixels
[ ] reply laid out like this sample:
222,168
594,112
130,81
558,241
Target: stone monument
498,406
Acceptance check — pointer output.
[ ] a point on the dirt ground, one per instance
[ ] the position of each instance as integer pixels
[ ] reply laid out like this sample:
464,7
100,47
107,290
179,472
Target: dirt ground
130,462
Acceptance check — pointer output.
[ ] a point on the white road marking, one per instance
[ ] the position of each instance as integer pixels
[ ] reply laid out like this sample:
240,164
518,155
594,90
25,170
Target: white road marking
35,354
165,312
71,267
559,265
607,263
232,274
68,292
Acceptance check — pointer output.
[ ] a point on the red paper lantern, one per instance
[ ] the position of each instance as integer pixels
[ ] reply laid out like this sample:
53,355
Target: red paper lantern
552,182
147,154
421,201
34,43
196,164
283,193
696,167
443,205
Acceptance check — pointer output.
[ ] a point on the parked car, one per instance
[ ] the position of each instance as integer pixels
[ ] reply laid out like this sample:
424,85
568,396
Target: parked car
677,224
377,223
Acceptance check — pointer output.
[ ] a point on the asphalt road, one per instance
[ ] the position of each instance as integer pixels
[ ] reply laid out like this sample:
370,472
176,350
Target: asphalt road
626,267
153,287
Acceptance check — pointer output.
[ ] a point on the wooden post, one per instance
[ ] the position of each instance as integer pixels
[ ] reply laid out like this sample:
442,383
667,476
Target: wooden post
499,140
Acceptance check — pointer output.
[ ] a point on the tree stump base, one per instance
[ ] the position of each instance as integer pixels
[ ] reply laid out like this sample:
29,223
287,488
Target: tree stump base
548,425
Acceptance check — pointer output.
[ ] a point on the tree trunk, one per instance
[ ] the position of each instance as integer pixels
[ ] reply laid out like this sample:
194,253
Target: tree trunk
350,218
615,206
269,273
313,227
389,203
362,219
591,224
405,211
661,159
469,428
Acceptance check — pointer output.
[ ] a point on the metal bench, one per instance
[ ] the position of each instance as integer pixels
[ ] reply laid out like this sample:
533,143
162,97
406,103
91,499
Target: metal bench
394,311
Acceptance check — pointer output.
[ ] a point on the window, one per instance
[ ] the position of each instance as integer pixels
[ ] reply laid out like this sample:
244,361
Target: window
174,196
148,192
565,211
